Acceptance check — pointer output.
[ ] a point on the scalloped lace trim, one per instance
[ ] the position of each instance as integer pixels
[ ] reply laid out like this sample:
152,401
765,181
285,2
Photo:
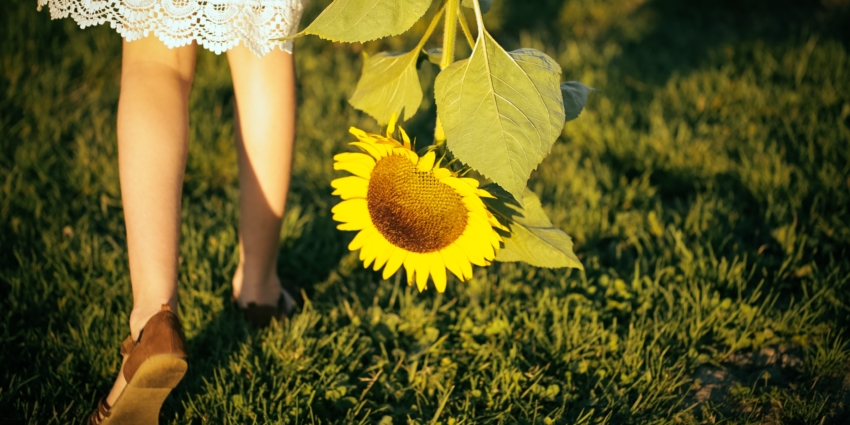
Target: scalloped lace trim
216,25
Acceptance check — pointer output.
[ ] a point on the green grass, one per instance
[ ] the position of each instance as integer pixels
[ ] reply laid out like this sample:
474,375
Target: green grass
706,185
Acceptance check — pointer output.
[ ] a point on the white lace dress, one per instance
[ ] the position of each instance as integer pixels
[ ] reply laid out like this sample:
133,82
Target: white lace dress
216,25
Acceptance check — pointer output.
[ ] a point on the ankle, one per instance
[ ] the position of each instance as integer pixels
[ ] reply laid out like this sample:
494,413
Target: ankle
142,313
255,286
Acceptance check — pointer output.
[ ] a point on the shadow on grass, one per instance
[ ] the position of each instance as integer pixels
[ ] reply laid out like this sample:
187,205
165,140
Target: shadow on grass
312,256
685,32
209,351
678,34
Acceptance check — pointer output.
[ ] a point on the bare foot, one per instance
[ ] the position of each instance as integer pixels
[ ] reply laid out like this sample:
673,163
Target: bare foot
117,387
264,291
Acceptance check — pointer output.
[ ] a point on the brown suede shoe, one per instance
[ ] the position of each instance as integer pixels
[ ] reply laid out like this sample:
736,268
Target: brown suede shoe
153,366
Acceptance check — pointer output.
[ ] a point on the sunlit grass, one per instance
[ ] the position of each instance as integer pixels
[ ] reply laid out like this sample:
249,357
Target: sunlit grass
706,185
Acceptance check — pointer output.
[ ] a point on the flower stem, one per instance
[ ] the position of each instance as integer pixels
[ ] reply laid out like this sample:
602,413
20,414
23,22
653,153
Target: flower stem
479,19
450,34
433,25
465,26
449,38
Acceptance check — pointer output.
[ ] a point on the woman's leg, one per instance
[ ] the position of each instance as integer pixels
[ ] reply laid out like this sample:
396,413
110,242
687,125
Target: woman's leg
153,139
265,134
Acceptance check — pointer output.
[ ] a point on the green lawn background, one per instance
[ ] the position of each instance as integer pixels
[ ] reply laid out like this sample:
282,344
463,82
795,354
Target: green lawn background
706,186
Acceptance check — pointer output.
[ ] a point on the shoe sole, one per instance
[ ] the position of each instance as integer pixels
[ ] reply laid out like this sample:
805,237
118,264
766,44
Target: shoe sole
141,400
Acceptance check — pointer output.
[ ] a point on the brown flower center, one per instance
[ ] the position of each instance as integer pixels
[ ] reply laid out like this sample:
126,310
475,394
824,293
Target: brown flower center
412,209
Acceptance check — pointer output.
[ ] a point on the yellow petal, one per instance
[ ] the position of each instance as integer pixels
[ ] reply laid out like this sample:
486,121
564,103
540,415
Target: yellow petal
491,253
422,271
410,266
491,234
395,261
371,148
354,157
384,249
472,182
483,224
485,194
387,147
494,222
438,271
358,224
442,173
362,238
391,124
465,264
482,232
406,154
459,186
370,250
350,187
360,134
488,252
412,156
389,144
426,163
452,256
474,250
474,205
350,210
404,137
495,241
357,168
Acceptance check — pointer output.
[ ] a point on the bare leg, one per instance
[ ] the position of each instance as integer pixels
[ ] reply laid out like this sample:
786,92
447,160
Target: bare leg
265,134
153,138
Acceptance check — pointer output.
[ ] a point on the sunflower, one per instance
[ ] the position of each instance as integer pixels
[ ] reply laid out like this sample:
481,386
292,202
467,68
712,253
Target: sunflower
410,211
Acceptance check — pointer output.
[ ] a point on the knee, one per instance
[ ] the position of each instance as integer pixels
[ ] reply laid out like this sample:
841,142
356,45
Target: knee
154,72
149,61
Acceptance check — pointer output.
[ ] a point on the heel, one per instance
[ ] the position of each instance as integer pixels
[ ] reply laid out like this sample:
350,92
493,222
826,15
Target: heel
162,371
162,335
142,400
154,364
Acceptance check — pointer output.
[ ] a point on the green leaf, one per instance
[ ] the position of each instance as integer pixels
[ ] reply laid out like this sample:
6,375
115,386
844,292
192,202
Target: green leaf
575,97
533,239
485,4
501,111
389,84
363,20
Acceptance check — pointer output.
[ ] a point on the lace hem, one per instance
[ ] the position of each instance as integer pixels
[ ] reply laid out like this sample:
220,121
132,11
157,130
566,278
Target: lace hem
217,25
